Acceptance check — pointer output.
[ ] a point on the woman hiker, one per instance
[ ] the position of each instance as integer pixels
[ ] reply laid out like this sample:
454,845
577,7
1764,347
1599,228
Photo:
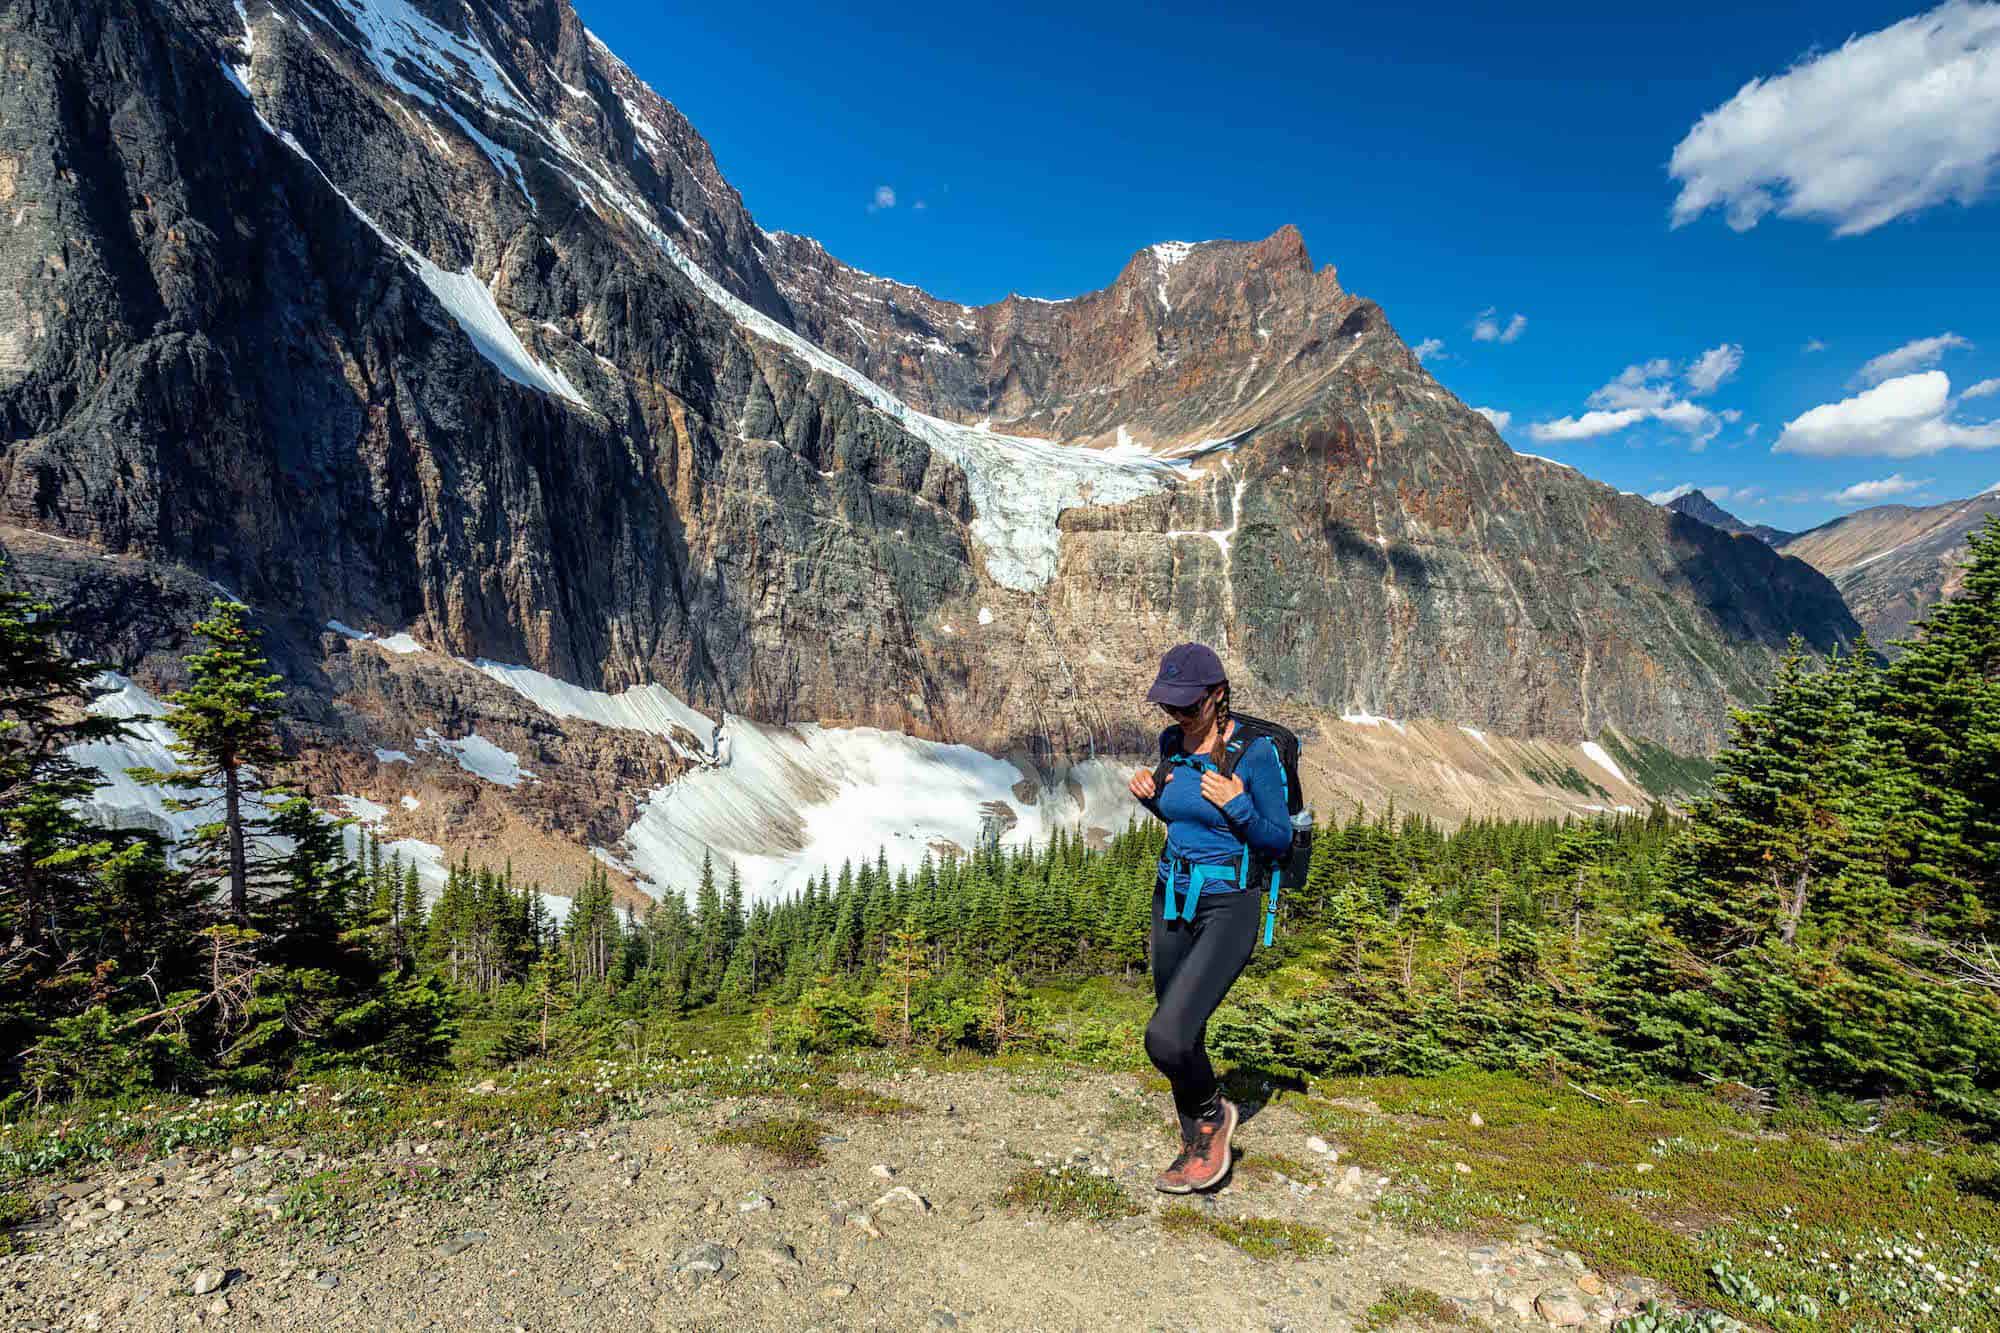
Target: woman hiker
1205,912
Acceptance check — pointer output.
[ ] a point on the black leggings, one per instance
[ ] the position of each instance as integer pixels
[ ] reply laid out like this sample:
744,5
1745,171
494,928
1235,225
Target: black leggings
1194,965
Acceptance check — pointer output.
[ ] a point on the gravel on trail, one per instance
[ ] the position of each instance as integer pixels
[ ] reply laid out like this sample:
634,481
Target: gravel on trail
645,1224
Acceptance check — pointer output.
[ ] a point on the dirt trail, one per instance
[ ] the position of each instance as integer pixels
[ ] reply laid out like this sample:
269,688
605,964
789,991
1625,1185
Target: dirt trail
643,1224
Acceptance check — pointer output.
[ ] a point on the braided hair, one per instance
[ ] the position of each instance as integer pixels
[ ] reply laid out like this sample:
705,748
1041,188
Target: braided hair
1221,725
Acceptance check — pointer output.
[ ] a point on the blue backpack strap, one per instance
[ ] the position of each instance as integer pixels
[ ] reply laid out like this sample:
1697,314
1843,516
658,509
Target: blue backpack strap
1277,868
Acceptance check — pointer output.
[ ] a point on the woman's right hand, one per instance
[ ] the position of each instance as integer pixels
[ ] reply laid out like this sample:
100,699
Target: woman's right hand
1143,786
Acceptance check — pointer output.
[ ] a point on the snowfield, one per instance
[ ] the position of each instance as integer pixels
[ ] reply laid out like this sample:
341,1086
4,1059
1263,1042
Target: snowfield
789,803
784,803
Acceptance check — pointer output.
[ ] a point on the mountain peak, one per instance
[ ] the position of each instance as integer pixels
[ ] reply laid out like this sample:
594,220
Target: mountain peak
1696,505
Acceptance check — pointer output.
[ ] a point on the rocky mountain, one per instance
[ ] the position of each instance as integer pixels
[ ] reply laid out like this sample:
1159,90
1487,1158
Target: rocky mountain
1698,506
1892,561
434,334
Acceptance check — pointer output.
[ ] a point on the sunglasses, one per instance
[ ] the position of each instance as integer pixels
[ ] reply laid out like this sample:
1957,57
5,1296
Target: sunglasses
1192,710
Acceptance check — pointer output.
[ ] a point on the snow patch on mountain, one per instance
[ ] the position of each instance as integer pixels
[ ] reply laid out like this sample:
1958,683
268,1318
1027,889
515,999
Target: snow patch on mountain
1166,255
1604,761
788,803
464,297
478,756
649,708
123,801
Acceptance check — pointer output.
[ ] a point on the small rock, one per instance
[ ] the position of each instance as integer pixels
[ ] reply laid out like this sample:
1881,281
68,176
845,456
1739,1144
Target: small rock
837,1291
1643,1167
1318,1145
329,1280
883,1170
1475,1121
1590,1284
1573,1261
942,1318
114,1205
1350,1181
865,1224
460,1243
1461,1168
207,1280
755,1203
778,1256
219,1306
1560,1307
902,1197
707,1257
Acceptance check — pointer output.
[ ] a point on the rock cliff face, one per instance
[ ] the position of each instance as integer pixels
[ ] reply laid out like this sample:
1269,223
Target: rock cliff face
1892,562
432,317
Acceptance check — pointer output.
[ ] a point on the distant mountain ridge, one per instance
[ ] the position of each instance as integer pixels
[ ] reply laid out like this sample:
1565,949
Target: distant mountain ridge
1892,562
1698,506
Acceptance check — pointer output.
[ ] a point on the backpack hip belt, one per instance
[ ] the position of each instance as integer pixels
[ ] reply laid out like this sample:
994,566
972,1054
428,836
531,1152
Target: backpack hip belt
1199,873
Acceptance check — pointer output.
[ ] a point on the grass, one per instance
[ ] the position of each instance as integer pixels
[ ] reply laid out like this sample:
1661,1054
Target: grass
1258,1237
355,1113
1136,1111
1402,1303
786,1140
1271,1165
838,1100
1068,1192
1806,1228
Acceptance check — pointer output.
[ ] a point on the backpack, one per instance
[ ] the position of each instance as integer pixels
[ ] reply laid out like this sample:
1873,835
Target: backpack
1288,872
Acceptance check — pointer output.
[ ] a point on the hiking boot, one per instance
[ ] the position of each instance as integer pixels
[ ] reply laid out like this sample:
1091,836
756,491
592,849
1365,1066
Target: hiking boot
1204,1161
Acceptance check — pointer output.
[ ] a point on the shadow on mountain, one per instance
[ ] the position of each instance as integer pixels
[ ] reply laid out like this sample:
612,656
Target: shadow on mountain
1756,594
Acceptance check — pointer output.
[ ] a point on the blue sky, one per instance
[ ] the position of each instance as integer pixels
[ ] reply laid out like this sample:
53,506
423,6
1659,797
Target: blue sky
1469,163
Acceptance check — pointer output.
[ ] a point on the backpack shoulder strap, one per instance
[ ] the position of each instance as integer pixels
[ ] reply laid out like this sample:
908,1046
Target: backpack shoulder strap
1170,741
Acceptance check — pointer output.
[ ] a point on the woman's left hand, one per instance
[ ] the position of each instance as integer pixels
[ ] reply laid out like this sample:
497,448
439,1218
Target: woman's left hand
1221,790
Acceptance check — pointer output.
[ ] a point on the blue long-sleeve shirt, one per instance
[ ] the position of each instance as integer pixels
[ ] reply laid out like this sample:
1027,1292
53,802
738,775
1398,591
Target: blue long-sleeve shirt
1203,833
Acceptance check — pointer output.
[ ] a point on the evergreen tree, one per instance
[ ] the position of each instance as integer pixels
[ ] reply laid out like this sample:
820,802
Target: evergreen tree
225,724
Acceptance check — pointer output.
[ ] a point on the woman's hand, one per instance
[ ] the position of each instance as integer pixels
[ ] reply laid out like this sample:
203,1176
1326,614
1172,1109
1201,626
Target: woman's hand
1220,790
1143,786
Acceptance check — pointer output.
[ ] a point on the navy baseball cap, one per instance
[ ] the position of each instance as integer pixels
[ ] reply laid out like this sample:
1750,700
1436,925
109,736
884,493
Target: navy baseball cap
1187,672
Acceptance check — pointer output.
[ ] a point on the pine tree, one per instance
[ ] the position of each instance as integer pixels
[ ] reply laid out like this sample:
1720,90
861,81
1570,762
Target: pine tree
225,724
907,967
48,852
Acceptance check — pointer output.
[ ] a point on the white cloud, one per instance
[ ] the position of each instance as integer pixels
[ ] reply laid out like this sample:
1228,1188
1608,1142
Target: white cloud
885,197
920,205
1916,355
1814,345
1712,367
1429,348
1862,492
1904,417
1488,328
1647,387
1500,419
1891,123
1716,491
1981,389
1586,427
